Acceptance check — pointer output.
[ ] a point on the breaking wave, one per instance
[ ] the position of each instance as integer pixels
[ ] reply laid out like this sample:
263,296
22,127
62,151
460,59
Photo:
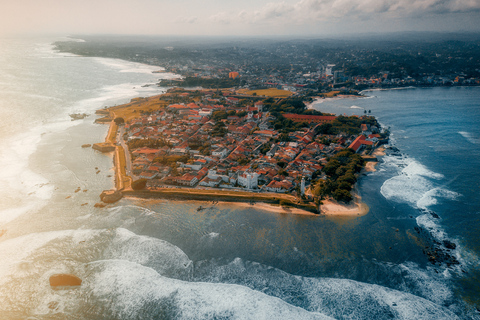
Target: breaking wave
470,138
415,184
129,276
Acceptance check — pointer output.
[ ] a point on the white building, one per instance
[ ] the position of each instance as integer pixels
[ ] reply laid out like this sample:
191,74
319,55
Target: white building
220,152
205,112
249,180
328,70
212,174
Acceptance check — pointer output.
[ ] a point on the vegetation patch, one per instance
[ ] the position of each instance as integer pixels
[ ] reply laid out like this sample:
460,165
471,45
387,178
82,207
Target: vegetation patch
341,170
271,92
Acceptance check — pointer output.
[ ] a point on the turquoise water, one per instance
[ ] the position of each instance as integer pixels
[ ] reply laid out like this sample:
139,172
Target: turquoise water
163,259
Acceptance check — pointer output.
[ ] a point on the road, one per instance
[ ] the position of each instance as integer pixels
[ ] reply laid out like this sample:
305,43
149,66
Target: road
128,157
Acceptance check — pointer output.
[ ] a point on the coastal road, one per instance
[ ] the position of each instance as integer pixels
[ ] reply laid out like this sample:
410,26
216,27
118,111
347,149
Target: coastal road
128,157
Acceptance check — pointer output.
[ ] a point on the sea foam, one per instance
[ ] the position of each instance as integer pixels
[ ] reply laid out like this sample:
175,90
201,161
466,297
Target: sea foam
470,138
163,257
415,184
135,291
127,66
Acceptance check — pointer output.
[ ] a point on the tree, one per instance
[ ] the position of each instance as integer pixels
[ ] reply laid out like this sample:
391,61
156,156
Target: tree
342,195
119,121
345,186
284,137
331,167
139,184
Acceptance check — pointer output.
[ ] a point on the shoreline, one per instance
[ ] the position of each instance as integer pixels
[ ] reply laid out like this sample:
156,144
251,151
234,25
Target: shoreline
370,166
264,201
332,208
319,100
290,203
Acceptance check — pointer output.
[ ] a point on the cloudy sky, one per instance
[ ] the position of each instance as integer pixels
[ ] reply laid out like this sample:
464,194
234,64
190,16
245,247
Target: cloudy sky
240,17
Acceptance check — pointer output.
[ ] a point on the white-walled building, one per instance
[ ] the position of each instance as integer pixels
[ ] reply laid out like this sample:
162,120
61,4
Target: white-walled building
249,180
220,152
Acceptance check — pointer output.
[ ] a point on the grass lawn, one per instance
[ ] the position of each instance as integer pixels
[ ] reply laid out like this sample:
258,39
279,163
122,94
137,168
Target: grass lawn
272,92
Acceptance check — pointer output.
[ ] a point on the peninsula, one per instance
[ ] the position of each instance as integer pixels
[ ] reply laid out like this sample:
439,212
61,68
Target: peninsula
237,146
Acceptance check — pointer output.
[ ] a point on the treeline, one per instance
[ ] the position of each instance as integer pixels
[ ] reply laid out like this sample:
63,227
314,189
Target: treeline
209,83
149,143
350,125
220,114
341,170
289,105
287,125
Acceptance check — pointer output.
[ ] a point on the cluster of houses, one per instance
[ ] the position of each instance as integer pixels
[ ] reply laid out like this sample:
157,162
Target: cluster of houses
245,155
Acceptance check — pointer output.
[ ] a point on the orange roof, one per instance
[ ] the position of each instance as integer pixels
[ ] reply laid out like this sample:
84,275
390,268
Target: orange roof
308,118
177,106
146,150
355,145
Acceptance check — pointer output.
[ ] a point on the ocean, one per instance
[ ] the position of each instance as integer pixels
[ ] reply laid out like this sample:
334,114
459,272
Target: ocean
159,259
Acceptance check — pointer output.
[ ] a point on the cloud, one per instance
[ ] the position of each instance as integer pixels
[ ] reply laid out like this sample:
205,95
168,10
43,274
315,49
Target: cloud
187,20
323,10
272,11
222,18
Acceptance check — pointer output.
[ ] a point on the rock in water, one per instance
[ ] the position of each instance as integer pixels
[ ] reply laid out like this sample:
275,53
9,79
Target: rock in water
65,280
78,116
110,196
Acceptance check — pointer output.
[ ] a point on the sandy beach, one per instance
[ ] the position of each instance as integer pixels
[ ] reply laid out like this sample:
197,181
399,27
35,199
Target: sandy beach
379,152
370,166
328,208
338,97
332,208
273,208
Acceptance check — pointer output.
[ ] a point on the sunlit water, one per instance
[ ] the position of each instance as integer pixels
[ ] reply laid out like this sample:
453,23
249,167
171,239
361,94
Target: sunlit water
163,259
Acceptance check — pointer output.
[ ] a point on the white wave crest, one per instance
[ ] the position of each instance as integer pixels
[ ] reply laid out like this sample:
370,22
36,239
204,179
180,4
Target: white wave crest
160,255
213,235
370,300
414,184
135,291
470,138
128,66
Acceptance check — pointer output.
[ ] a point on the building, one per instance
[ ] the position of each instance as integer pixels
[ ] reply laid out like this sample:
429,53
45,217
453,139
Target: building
359,143
220,152
302,186
309,118
329,69
279,186
233,75
249,180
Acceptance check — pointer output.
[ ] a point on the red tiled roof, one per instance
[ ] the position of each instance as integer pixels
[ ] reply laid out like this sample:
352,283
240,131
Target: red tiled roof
357,143
308,118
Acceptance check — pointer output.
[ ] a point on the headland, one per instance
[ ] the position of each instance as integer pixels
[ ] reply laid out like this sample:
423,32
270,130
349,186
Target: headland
217,145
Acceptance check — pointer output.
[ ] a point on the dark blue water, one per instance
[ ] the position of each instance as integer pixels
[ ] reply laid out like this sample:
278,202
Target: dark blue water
438,134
